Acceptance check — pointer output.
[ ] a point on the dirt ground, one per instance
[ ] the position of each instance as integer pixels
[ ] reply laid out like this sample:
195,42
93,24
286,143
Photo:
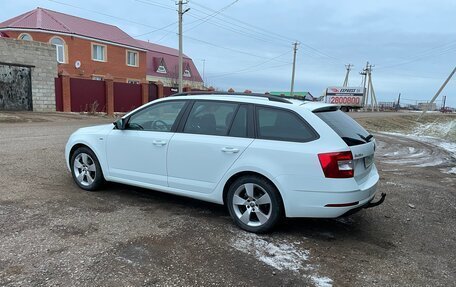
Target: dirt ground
54,234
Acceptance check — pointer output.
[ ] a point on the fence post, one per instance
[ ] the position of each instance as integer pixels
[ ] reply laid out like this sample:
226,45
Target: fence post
145,92
109,90
159,89
66,92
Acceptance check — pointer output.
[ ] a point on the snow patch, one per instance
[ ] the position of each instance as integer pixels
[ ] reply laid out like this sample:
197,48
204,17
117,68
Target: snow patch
449,171
321,281
420,135
281,255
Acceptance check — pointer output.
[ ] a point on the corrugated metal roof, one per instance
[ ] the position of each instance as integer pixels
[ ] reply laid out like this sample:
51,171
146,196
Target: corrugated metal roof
49,20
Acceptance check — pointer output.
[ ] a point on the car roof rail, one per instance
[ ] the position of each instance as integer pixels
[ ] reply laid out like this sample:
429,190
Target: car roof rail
268,96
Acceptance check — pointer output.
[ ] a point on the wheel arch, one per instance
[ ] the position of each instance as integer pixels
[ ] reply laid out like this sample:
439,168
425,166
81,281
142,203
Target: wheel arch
81,144
240,174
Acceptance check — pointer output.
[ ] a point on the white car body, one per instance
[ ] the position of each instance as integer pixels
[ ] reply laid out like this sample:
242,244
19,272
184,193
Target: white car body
200,166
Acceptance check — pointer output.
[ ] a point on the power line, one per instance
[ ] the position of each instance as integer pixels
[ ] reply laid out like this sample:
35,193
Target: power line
229,49
150,32
265,32
266,38
203,18
164,29
250,67
245,31
250,70
103,14
447,48
156,4
258,29
214,14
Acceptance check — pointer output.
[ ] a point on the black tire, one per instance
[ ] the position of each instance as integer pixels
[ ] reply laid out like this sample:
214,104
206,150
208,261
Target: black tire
345,109
93,178
238,191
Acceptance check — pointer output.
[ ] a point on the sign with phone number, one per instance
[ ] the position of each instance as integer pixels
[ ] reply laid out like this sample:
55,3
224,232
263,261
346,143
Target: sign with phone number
345,100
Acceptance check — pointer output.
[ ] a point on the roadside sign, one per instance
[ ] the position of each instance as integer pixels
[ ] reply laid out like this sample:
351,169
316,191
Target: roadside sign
350,96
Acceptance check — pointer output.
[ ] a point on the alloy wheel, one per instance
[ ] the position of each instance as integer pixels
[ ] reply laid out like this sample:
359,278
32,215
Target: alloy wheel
85,169
252,204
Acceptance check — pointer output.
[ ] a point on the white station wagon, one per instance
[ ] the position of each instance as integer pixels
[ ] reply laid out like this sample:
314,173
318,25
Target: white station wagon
264,157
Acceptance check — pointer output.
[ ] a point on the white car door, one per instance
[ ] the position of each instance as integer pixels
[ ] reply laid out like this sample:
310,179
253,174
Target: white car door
138,153
214,136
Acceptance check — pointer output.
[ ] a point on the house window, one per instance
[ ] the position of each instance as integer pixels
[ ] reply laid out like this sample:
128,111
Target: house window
187,72
161,67
132,58
97,78
99,52
60,49
25,37
132,81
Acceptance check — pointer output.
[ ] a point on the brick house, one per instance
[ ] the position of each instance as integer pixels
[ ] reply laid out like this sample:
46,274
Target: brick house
162,65
93,50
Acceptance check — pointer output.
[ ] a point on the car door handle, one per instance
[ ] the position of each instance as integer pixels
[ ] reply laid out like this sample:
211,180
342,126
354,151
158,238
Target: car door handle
230,150
159,142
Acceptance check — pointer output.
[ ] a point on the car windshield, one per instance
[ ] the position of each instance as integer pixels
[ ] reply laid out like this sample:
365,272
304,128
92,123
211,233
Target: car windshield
347,128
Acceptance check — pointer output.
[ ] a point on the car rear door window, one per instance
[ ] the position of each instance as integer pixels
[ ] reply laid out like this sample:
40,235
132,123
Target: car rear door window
279,124
159,117
346,127
210,118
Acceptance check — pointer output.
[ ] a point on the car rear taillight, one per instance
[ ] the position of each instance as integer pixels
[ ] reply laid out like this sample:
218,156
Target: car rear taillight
337,164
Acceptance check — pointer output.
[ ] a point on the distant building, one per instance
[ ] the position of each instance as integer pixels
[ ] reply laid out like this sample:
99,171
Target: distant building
427,106
387,105
94,50
162,65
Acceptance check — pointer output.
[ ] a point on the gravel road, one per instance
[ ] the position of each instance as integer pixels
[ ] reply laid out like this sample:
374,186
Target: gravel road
54,234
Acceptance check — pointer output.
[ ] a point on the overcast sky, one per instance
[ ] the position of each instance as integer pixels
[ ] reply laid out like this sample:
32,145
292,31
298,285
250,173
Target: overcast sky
248,44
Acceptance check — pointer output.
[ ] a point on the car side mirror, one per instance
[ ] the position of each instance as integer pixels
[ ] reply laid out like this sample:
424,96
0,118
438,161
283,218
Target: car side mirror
120,124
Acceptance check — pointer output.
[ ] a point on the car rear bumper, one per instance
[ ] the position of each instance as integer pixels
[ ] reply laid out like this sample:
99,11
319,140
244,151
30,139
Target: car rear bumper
330,204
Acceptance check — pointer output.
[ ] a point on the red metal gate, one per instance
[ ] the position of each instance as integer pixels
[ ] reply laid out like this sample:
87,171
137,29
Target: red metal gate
87,95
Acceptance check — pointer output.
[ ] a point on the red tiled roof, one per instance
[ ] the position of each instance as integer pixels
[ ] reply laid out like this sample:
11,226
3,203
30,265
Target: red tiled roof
49,20
157,52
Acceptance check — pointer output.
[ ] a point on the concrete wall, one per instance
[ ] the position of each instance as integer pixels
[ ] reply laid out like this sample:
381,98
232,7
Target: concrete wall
40,55
77,49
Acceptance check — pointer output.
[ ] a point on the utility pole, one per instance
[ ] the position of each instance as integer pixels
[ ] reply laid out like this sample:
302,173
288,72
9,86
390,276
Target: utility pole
295,48
398,105
364,73
438,92
372,91
204,67
181,13
348,67
368,88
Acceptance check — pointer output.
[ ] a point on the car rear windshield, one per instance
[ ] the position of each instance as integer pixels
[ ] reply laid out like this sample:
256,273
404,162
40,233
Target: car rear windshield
346,127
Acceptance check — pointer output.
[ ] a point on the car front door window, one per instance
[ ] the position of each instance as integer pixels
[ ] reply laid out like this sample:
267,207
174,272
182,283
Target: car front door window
160,117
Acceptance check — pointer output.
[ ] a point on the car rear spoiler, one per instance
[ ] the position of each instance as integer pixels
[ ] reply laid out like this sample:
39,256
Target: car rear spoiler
326,109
